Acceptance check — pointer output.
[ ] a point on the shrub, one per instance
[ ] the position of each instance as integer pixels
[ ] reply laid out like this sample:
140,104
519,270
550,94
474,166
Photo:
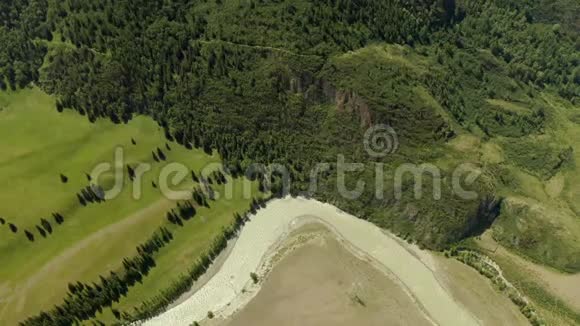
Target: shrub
254,277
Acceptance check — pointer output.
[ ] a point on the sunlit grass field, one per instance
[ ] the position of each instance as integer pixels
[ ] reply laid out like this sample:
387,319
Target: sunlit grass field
38,144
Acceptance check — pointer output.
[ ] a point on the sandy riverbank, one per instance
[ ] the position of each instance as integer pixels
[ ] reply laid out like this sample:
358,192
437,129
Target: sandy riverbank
317,281
231,287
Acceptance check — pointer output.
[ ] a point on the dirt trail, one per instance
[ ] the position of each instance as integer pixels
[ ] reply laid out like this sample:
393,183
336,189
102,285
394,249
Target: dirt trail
563,286
478,294
63,258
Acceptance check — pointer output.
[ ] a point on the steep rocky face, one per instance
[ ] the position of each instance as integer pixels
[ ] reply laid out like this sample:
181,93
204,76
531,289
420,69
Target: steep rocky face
349,101
317,90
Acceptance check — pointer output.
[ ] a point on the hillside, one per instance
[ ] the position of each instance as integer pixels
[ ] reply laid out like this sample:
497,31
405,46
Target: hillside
490,83
54,235
197,76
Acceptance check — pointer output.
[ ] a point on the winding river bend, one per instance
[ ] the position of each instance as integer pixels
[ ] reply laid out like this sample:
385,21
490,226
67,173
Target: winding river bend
226,291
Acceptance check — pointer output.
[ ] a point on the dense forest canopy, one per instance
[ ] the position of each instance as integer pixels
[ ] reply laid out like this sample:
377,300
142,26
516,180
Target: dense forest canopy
251,78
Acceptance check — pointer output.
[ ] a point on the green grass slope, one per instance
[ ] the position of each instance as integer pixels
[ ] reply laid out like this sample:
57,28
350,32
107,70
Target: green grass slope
40,144
541,218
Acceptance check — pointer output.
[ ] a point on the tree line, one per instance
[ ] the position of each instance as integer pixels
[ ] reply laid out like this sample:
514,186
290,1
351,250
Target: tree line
44,228
84,300
152,307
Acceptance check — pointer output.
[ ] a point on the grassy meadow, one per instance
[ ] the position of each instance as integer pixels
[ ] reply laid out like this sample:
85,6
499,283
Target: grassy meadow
540,215
538,177
38,144
176,259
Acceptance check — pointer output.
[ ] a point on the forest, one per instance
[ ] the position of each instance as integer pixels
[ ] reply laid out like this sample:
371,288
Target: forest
251,78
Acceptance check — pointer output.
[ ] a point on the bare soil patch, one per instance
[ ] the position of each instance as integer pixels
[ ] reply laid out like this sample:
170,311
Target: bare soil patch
322,283
477,294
